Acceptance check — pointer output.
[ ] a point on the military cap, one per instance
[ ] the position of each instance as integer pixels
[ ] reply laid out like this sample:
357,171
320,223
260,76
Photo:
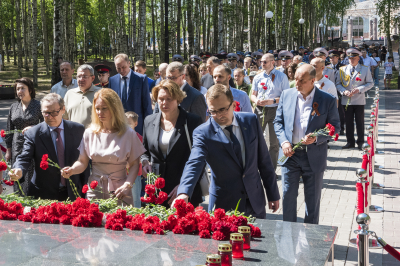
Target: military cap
257,55
260,50
320,51
352,52
177,58
195,58
205,54
276,57
233,56
221,56
252,74
285,54
333,53
240,53
222,52
253,63
101,68
247,54
301,47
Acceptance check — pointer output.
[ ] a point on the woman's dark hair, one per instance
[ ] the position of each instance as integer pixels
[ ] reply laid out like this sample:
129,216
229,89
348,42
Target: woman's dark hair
28,83
293,67
190,70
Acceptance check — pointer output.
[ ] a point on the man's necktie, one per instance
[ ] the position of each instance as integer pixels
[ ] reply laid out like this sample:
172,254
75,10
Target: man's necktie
236,144
352,71
124,92
60,152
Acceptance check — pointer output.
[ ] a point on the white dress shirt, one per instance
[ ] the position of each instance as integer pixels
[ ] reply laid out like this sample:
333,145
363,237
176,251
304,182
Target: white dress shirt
328,87
368,61
62,89
121,82
238,133
302,115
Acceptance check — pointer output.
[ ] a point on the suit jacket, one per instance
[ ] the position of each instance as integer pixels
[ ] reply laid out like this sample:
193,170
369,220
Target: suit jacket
317,153
194,102
138,96
345,81
38,141
230,182
171,167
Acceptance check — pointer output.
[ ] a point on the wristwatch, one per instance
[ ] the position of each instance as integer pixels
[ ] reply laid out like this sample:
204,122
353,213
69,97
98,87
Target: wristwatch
274,100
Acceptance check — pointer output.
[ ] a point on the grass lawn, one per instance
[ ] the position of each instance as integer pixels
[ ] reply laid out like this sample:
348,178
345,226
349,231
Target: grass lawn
394,81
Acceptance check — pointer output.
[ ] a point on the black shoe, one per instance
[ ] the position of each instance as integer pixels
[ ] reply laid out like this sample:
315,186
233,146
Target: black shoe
341,133
360,147
348,146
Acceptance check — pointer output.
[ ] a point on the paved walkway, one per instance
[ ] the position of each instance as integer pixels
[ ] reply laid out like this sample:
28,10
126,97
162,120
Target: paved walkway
339,195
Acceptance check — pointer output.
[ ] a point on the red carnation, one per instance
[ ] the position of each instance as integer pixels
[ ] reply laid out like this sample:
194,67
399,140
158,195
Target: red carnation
371,125
358,79
45,157
94,184
219,213
162,196
329,126
332,131
150,189
117,227
218,235
44,165
205,234
262,83
237,108
159,231
265,87
160,183
336,137
255,231
3,166
326,76
3,133
85,189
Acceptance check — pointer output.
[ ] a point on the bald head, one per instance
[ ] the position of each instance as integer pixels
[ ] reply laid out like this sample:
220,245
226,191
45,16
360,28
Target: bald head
267,62
319,65
163,70
305,77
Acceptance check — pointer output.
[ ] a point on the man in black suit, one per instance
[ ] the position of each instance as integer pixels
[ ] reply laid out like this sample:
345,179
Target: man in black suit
59,139
207,80
194,101
334,57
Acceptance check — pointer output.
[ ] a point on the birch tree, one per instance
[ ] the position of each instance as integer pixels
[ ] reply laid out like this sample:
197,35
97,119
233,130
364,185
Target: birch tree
19,42
34,43
57,40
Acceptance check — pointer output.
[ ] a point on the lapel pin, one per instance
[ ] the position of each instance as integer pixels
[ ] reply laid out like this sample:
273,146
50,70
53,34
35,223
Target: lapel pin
315,107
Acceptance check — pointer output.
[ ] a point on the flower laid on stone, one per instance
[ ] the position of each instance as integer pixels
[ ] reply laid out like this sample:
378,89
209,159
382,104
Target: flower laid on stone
46,162
328,130
153,190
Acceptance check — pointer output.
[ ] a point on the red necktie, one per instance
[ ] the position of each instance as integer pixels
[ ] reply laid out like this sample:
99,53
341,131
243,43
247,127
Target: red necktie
60,152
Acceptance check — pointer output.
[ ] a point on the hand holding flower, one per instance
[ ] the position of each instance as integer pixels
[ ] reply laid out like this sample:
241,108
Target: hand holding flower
355,91
309,139
122,191
287,149
146,168
67,172
347,93
173,195
15,174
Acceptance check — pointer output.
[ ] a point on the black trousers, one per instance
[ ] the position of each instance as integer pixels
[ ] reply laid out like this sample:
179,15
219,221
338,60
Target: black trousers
341,115
357,112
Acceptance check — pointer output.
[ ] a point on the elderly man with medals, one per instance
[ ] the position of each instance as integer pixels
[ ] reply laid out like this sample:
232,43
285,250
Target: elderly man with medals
353,81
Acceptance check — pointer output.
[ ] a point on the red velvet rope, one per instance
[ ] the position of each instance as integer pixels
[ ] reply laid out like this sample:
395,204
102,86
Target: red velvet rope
3,149
364,162
366,194
360,200
392,251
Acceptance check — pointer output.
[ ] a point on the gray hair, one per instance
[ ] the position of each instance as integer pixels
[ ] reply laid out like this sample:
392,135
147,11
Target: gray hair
163,67
53,98
176,66
122,56
214,60
298,57
67,62
86,67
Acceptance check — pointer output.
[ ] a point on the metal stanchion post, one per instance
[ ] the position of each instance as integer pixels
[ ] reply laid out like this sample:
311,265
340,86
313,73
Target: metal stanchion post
370,130
363,221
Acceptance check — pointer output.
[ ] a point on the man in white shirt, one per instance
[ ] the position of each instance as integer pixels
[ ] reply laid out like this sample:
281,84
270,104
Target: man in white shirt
321,82
67,83
368,61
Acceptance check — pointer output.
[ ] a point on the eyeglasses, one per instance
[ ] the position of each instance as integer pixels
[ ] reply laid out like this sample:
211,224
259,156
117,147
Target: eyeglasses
83,77
264,62
220,111
174,78
53,114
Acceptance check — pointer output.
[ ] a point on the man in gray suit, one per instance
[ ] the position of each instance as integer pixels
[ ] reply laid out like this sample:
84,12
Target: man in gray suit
194,101
352,82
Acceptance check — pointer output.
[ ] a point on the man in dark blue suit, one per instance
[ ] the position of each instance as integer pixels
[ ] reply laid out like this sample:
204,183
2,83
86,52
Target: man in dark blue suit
59,139
233,145
132,88
302,111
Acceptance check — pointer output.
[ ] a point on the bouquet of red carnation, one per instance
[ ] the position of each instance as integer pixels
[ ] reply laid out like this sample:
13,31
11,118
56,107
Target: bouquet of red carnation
3,133
237,108
4,167
10,211
153,190
44,164
328,130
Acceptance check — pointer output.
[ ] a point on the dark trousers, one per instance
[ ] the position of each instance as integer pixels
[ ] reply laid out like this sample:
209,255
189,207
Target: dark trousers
249,211
356,111
62,194
341,115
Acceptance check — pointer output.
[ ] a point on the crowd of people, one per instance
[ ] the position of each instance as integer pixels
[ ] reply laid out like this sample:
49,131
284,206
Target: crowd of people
207,115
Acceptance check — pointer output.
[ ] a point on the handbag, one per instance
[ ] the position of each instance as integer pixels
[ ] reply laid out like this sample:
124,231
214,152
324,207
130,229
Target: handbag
204,180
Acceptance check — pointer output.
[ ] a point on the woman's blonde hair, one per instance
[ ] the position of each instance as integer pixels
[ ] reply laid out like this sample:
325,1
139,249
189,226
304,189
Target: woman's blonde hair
173,89
114,104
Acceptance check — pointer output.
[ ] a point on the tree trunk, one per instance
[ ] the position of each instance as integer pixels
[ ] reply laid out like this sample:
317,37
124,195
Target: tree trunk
190,26
387,28
45,38
134,41
184,31
13,36
250,25
57,40
19,42
290,45
25,33
142,30
1,38
72,34
178,28
161,43
203,10
277,21
283,31
34,43
29,36
85,44
154,34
